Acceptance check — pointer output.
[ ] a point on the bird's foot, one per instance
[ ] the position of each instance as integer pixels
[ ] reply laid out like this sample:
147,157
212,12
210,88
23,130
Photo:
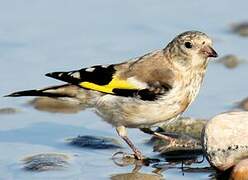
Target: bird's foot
124,159
169,139
138,155
172,142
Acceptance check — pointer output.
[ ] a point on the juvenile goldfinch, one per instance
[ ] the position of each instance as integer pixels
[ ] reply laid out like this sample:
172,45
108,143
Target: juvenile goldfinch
141,92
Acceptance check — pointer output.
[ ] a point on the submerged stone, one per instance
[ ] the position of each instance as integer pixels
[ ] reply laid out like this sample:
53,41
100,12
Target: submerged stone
244,104
186,133
181,144
8,110
225,139
240,28
46,161
186,126
230,61
94,142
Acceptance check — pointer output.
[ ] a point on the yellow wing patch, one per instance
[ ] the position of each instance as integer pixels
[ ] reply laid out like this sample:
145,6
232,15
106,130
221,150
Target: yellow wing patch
116,83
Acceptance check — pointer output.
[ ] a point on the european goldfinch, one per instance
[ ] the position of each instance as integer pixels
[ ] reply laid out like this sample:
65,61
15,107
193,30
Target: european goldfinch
141,92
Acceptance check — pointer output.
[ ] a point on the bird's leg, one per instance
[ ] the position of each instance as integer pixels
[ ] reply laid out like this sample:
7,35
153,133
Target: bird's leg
122,132
171,140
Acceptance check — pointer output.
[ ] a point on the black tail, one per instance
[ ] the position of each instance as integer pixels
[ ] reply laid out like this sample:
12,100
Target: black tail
55,91
26,93
33,93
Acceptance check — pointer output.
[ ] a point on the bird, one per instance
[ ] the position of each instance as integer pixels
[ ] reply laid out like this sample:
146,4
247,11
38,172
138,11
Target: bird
141,92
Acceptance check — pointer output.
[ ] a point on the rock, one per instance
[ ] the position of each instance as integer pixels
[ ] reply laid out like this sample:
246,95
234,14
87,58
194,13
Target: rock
244,104
55,105
230,61
94,142
185,126
225,139
240,171
187,137
198,170
8,110
240,28
180,145
46,161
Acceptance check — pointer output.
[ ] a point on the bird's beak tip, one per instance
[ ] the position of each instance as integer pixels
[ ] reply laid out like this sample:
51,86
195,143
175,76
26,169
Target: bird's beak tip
213,53
209,52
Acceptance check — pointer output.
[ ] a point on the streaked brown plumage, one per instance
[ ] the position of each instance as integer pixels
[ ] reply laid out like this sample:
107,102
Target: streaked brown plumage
141,92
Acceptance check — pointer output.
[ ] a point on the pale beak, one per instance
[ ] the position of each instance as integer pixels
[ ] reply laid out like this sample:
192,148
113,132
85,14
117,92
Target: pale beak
209,51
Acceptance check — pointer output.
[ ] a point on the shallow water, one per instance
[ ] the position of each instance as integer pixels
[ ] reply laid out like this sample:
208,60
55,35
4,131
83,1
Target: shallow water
37,37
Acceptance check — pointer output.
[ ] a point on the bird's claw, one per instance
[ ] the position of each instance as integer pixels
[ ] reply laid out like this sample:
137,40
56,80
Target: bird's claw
137,155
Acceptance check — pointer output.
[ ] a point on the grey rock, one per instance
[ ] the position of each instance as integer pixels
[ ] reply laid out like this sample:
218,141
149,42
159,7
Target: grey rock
180,145
46,161
243,104
186,133
186,126
240,28
230,61
8,110
225,139
94,142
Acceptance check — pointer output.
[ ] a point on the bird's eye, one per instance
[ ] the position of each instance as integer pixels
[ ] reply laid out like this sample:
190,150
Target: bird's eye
188,45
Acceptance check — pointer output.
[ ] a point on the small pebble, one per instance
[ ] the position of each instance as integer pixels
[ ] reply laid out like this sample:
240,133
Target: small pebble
240,171
240,28
244,104
9,110
46,161
94,142
230,61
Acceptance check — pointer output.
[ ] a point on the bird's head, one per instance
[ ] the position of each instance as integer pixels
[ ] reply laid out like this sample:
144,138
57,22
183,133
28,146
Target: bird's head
191,49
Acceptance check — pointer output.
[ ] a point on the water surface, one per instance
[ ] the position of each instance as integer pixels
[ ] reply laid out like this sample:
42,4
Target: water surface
40,36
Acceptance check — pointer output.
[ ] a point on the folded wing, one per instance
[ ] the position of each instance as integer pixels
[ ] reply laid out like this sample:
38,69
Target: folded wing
105,79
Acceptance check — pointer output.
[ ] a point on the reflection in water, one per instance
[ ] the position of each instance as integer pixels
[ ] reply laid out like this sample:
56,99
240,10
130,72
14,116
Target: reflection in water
55,105
126,160
122,160
8,110
136,176
159,167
